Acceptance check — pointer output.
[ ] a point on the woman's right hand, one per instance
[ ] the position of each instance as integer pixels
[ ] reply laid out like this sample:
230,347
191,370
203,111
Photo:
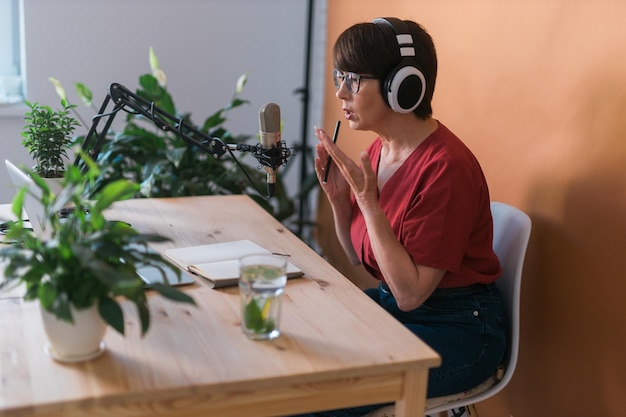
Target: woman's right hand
337,190
336,187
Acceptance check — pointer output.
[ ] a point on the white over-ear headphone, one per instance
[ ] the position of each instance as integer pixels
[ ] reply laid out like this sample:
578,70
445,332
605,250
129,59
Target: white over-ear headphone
405,86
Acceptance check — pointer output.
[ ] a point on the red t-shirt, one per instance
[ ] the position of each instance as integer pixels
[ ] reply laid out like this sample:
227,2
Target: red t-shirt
438,205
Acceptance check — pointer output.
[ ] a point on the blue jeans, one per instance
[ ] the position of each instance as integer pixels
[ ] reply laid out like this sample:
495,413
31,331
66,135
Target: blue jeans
466,326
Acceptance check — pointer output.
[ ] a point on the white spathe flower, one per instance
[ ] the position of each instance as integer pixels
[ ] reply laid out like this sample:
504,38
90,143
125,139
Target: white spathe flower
160,76
241,82
154,62
157,72
58,87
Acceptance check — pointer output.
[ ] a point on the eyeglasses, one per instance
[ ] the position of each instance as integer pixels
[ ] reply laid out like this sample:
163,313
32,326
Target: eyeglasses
353,80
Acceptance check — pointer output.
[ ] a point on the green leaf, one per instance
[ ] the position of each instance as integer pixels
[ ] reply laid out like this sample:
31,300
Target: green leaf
112,313
254,320
61,307
173,294
144,315
84,94
47,294
18,203
115,191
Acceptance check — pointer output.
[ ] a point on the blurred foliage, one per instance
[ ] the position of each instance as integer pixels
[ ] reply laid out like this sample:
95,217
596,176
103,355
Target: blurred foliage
166,166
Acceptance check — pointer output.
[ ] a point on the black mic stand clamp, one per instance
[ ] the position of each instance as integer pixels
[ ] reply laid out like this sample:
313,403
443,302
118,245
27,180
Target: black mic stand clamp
273,157
129,102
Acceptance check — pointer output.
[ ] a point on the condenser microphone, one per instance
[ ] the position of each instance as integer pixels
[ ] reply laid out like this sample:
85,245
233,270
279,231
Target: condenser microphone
269,132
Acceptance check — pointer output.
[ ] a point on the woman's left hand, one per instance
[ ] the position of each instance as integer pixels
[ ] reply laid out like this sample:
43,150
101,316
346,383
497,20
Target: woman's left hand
364,183
361,179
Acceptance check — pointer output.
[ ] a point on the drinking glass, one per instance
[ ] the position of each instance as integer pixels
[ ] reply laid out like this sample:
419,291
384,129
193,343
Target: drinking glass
262,282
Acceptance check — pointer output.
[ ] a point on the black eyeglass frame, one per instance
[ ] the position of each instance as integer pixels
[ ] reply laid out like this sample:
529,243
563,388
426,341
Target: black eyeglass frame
350,77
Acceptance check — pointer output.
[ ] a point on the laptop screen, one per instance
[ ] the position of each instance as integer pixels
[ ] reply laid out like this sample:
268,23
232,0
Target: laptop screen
32,206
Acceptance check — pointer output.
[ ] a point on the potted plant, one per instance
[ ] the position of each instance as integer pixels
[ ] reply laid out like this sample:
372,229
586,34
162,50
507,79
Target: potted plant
48,137
86,264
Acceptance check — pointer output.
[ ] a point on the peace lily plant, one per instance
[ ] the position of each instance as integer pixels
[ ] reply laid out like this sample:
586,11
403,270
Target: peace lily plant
86,260
165,165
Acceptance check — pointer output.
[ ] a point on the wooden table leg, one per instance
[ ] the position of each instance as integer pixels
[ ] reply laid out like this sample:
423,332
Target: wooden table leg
413,402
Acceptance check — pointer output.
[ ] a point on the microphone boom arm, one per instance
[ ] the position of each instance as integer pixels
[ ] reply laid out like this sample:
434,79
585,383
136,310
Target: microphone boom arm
129,102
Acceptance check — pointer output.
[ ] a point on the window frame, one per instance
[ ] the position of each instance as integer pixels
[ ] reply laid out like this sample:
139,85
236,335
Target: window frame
12,64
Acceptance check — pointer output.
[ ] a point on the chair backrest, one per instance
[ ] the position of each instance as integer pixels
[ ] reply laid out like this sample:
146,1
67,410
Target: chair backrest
511,232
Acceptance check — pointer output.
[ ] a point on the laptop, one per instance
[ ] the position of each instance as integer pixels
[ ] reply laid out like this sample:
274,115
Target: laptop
32,208
34,211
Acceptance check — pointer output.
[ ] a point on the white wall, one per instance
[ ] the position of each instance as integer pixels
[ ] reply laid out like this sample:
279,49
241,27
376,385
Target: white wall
202,45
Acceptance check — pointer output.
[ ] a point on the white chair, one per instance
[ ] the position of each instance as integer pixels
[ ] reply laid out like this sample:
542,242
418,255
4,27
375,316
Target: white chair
511,232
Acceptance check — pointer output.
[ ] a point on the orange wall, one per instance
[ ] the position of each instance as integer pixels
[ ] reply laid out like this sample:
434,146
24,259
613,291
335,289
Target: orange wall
538,90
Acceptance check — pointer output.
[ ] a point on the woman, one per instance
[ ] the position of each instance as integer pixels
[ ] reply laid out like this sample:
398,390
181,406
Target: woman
416,211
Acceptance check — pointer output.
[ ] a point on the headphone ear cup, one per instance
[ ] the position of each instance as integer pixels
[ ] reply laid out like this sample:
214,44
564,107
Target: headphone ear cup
404,88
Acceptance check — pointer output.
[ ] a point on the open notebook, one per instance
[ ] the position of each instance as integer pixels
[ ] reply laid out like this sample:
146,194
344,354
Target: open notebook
34,211
218,263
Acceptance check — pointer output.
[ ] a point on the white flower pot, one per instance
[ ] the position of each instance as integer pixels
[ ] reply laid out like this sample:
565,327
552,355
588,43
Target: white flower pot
55,184
78,341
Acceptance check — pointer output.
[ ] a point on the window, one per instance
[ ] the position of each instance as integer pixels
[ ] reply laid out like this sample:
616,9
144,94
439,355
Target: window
11,86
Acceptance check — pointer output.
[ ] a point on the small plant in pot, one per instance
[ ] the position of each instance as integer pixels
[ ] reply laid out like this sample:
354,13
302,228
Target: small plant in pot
48,137
86,264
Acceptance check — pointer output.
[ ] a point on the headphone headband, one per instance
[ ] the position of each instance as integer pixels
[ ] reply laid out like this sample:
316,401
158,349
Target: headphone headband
403,35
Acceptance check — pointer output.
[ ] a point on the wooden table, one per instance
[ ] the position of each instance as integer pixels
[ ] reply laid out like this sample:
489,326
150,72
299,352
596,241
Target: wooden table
337,348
